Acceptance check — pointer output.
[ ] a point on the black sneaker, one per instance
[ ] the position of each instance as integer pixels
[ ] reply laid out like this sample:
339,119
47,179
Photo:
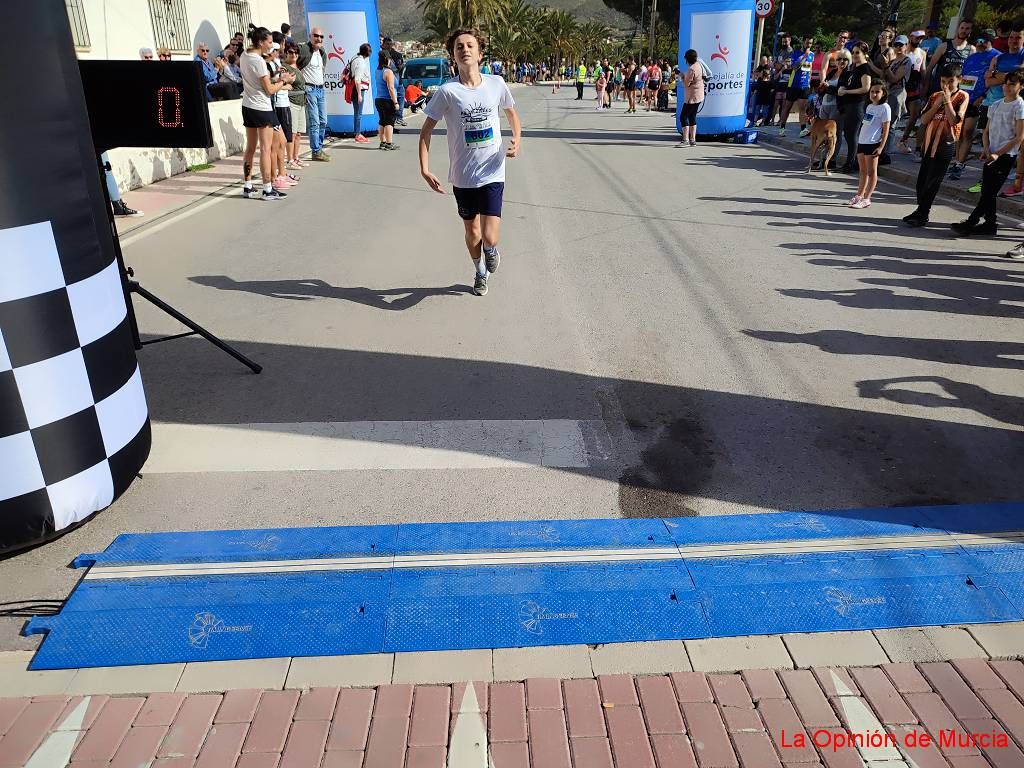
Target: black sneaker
986,229
480,285
492,260
274,195
120,209
963,228
390,146
916,222
911,216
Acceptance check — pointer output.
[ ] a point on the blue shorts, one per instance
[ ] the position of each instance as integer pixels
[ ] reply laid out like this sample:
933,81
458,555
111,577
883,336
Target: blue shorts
480,201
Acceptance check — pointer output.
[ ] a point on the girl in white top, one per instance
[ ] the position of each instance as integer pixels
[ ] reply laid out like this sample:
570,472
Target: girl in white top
258,114
874,132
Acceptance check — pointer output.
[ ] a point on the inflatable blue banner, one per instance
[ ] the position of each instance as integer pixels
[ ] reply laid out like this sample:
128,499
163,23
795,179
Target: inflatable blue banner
347,24
721,31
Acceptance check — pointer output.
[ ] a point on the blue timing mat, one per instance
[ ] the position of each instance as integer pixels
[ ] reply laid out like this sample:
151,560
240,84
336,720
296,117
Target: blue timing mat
176,597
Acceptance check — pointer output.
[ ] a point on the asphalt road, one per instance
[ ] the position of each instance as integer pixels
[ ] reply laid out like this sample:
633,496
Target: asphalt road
724,333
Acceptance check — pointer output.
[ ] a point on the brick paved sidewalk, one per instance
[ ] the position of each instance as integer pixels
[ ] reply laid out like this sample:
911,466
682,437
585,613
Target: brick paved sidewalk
755,719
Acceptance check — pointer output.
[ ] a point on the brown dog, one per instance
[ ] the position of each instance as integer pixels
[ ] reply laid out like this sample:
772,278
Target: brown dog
823,134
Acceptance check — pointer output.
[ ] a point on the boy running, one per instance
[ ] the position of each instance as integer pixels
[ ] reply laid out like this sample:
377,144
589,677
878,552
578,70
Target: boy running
470,105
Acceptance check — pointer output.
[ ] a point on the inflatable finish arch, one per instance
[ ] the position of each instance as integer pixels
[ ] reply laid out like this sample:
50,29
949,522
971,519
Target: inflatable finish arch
721,31
74,427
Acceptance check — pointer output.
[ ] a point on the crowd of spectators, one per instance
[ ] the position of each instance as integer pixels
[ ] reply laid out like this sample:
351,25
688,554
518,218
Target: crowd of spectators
915,93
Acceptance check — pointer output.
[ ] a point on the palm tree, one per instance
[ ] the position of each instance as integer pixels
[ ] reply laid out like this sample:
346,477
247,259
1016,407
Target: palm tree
558,32
461,13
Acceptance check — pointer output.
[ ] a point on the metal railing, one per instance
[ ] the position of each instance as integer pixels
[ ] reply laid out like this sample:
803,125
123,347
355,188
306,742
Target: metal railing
239,16
170,25
79,27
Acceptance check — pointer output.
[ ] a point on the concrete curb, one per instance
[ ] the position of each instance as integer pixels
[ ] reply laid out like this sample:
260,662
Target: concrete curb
1008,206
716,655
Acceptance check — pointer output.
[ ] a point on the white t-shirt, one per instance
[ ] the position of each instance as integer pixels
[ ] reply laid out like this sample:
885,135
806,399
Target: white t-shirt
313,73
875,115
281,97
253,96
473,117
1002,123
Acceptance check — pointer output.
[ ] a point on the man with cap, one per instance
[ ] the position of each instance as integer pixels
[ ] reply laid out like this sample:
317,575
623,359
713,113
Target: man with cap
973,82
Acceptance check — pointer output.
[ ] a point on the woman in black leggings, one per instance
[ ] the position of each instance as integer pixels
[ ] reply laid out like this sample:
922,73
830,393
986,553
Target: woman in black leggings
852,90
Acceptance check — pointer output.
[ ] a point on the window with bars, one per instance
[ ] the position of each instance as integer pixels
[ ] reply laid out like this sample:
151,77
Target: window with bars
239,16
170,25
79,29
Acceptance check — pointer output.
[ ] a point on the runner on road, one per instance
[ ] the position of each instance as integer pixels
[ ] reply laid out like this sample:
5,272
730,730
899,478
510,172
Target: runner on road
470,105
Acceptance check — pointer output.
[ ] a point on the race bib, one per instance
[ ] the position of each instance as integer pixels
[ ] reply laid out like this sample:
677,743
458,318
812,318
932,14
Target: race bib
968,82
478,138
806,66
868,117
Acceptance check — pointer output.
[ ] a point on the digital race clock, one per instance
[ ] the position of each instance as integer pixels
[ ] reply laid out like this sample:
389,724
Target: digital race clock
146,104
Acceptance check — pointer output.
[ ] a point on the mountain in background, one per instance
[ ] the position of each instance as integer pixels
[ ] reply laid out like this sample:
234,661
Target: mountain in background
402,20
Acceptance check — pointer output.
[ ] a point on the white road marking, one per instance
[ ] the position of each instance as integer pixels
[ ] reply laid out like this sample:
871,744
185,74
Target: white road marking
173,218
56,751
551,556
468,745
861,720
354,445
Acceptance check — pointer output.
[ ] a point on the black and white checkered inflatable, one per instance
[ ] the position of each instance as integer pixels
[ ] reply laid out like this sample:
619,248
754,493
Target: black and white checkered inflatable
74,428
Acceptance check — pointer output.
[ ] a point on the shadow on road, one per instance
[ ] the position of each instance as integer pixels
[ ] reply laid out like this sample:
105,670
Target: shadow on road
1005,408
981,354
394,299
665,443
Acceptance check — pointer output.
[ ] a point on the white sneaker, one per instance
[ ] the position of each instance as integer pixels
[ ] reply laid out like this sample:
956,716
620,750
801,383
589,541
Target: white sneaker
862,203
1017,252
805,132
854,200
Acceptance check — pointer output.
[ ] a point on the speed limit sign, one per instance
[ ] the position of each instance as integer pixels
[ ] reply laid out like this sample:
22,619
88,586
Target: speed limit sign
764,8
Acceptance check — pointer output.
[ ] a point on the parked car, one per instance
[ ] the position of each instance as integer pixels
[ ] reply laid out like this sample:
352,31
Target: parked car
432,70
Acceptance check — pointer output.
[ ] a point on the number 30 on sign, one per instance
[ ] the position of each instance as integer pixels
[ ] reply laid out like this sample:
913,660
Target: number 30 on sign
764,8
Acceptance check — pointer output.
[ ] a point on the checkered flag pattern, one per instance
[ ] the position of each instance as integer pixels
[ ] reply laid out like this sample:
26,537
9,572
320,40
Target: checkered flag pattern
74,426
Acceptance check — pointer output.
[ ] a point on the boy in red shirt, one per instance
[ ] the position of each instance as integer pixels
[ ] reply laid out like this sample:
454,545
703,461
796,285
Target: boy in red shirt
414,95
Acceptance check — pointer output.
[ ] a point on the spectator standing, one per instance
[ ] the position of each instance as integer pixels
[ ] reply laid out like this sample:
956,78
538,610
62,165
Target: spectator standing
581,79
942,121
828,108
874,132
599,85
783,69
915,86
146,54
653,84
895,76
359,69
852,89
396,60
931,40
764,94
163,54
833,55
282,108
973,82
1000,147
312,62
385,89
296,104
799,86
693,97
950,53
629,85
1002,39
286,31
1007,62
258,115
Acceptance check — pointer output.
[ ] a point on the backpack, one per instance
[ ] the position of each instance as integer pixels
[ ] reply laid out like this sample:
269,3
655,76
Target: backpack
705,69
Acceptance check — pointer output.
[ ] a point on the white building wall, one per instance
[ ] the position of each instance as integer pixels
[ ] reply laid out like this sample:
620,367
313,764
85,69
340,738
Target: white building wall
118,28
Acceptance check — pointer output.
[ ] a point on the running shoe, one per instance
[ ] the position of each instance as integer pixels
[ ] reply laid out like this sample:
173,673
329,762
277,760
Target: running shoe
122,209
282,183
962,228
805,131
1012,190
905,148
401,122
321,157
480,285
1017,252
862,203
782,131
251,192
956,170
854,200
362,139
273,195
976,189
492,260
